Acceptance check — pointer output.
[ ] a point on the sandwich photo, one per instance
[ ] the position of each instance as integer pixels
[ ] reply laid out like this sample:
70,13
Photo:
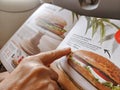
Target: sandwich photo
96,69
52,22
64,80
95,72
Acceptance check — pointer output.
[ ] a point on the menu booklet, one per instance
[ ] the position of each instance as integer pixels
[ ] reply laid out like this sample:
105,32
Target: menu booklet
94,63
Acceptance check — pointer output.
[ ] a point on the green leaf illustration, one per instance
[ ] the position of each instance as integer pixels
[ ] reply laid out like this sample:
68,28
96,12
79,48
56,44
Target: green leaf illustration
77,15
89,24
108,21
94,23
94,26
102,32
74,15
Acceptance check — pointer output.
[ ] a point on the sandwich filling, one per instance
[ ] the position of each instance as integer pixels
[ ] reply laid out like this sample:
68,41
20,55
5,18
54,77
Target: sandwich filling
51,26
75,77
100,76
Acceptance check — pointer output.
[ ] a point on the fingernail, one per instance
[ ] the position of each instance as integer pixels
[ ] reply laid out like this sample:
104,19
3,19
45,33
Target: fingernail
68,49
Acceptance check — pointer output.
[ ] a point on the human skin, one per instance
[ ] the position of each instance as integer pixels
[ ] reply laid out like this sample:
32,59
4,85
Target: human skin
34,73
3,75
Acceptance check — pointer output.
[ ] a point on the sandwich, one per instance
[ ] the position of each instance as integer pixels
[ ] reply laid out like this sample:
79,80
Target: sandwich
52,22
64,80
90,72
96,69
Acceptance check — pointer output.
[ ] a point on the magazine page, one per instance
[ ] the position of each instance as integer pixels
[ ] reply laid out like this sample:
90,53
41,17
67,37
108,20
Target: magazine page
94,63
43,31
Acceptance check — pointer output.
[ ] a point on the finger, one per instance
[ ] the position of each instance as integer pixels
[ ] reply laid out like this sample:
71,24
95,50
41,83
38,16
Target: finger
53,75
48,57
53,86
3,75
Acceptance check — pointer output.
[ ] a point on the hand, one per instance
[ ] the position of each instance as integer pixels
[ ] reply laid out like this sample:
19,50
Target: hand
3,75
33,73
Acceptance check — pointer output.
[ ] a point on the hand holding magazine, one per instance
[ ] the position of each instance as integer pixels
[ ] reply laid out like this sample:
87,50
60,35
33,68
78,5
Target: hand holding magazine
94,61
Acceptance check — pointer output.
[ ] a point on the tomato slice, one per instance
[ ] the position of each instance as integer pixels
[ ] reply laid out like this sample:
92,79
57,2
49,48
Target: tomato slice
20,59
117,36
101,74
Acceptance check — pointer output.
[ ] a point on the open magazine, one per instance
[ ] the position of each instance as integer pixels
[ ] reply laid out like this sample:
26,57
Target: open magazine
52,27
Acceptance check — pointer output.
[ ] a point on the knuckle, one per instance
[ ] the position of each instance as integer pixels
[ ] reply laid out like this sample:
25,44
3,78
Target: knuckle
41,69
